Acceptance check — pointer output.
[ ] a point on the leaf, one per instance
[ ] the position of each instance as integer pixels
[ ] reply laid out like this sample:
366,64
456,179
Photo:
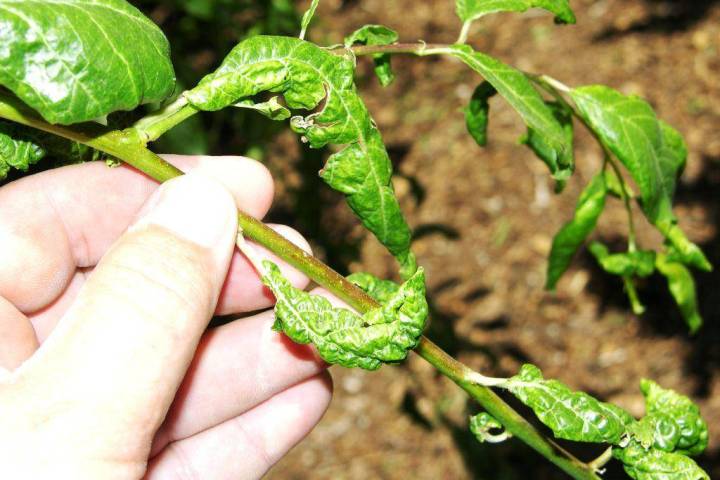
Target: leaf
654,464
570,415
307,17
342,337
376,35
652,151
306,75
17,150
77,60
469,10
380,290
482,425
682,288
477,112
517,90
573,234
679,427
560,162
640,263
684,251
271,109
614,185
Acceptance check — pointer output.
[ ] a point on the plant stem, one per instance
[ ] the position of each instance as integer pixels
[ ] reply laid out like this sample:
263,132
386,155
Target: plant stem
153,126
129,146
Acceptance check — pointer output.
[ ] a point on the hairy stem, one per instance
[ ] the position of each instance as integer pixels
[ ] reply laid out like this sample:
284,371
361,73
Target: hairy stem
129,146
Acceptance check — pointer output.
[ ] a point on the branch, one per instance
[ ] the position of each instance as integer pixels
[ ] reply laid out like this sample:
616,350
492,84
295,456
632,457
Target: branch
129,146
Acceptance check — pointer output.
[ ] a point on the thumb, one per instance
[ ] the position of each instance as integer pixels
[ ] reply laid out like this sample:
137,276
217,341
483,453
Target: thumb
118,356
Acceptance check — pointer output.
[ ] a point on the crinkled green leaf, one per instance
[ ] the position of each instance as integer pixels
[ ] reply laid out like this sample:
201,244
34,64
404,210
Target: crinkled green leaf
517,90
342,337
682,288
17,150
307,17
482,425
469,10
640,263
77,60
477,112
679,427
652,151
561,162
379,289
573,234
306,75
685,251
654,464
271,109
376,35
570,415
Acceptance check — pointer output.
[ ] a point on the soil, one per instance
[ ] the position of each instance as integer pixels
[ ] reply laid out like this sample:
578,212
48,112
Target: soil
484,220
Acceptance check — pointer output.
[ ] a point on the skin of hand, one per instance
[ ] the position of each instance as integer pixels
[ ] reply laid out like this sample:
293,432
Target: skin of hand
107,368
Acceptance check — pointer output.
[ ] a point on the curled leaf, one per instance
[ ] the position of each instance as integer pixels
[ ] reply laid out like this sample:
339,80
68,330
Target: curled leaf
306,75
379,289
376,35
307,17
679,427
469,10
271,109
653,152
382,335
517,90
477,112
17,150
570,415
682,288
653,464
639,263
483,425
561,162
573,234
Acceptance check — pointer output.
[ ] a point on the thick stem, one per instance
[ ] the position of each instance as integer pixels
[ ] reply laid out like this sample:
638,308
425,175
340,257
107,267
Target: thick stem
129,146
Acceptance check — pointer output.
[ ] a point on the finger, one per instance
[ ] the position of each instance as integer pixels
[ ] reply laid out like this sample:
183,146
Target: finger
17,336
236,367
243,290
114,362
247,446
80,210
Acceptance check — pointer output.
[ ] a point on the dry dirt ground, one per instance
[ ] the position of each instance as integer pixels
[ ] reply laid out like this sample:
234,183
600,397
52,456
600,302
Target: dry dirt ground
484,220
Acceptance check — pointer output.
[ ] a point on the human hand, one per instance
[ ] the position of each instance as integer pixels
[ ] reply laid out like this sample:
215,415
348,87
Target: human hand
126,382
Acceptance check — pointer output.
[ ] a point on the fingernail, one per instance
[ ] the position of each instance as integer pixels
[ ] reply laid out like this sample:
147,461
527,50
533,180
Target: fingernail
192,207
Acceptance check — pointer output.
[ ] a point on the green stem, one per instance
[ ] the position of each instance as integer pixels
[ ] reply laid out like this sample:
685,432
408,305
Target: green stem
153,126
129,146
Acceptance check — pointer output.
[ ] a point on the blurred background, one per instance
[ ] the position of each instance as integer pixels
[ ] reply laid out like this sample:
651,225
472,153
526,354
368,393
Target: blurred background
484,219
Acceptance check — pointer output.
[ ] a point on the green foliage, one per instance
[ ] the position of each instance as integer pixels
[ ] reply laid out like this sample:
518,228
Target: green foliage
679,427
654,464
561,162
573,234
477,112
570,415
306,75
379,289
342,337
15,151
639,263
682,288
483,424
652,151
519,93
376,35
307,17
469,10
58,73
